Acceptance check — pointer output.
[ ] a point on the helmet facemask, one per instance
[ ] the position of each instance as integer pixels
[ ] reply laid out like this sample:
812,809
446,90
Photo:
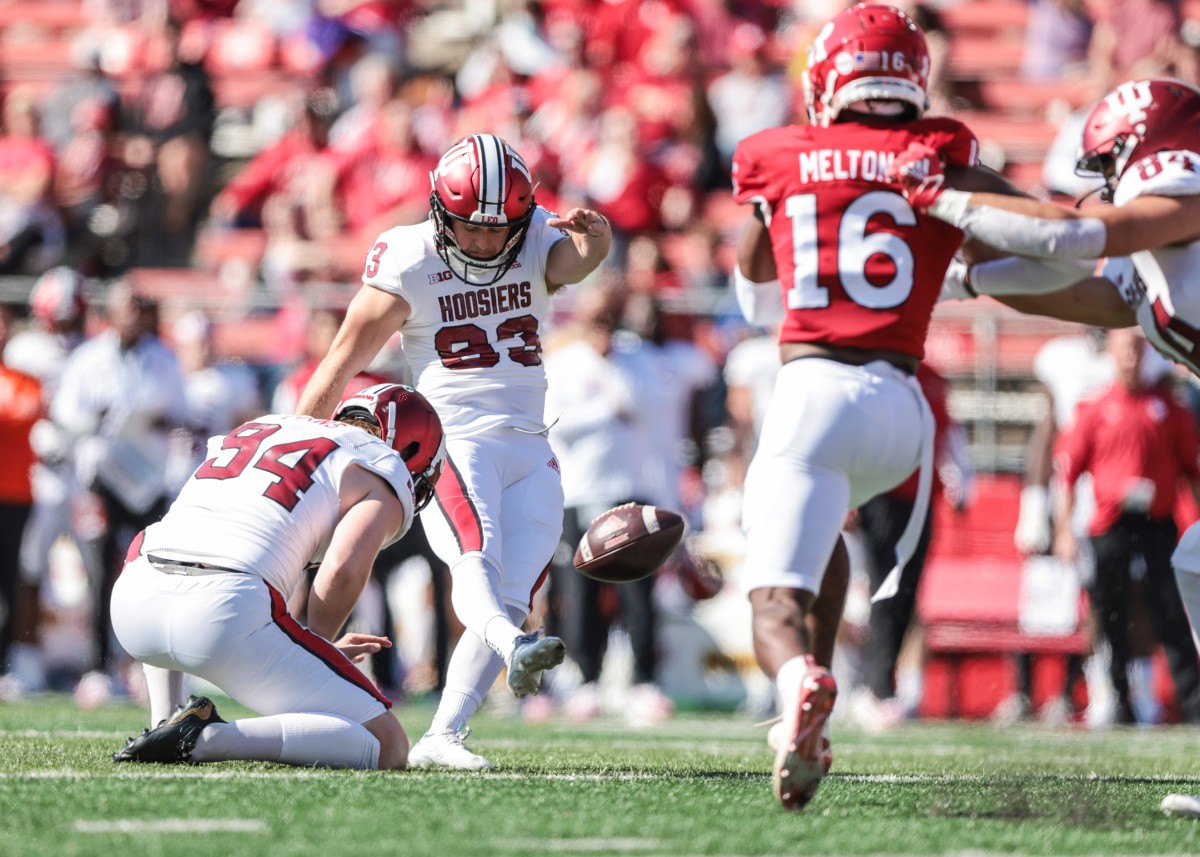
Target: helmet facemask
468,268
1108,162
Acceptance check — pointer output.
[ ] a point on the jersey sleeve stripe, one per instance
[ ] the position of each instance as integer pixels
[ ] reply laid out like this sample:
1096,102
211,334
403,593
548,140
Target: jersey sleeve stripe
450,494
321,648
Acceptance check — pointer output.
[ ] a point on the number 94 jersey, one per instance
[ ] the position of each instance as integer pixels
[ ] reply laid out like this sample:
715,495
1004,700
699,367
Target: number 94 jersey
265,501
858,267
475,350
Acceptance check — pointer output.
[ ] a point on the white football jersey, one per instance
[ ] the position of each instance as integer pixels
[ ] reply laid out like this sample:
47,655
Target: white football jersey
475,350
266,499
1165,292
1073,368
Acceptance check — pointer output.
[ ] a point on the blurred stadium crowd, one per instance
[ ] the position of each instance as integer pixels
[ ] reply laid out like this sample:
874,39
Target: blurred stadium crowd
204,178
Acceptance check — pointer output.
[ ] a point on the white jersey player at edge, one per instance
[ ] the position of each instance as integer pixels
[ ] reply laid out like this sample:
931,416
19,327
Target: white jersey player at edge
469,290
1143,137
204,591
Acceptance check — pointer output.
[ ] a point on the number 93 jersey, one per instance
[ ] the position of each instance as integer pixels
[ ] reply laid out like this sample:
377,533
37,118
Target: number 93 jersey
858,267
265,501
475,350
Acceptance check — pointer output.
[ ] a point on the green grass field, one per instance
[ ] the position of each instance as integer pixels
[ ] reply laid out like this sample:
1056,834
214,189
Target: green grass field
698,785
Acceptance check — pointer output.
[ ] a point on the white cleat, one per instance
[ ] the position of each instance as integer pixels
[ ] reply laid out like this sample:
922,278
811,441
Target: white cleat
446,750
1181,806
532,654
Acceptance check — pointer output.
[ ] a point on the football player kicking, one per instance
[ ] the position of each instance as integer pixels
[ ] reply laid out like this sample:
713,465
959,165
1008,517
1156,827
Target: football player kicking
1143,137
860,272
204,591
470,288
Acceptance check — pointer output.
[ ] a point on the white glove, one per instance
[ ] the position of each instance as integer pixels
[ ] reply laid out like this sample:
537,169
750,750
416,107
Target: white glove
1032,535
954,284
48,441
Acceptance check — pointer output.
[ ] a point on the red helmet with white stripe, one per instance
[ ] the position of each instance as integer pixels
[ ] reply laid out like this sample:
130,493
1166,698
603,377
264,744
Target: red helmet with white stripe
481,180
59,297
409,425
869,54
1145,116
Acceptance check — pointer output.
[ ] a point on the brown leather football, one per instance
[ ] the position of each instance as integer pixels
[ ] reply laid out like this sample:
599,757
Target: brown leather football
628,542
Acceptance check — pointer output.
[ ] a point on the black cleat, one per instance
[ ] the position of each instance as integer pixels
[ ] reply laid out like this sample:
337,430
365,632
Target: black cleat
172,741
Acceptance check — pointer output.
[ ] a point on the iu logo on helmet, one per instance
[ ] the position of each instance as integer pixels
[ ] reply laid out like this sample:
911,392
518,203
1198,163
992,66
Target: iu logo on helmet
1131,99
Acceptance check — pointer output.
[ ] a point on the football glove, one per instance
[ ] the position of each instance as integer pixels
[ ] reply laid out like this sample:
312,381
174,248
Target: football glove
918,171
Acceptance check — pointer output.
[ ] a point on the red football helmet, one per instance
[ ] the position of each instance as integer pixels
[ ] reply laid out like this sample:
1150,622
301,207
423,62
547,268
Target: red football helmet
59,297
483,181
868,53
1146,116
410,426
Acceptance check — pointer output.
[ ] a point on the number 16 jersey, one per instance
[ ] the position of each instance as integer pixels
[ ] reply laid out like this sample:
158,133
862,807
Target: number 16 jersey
858,267
475,350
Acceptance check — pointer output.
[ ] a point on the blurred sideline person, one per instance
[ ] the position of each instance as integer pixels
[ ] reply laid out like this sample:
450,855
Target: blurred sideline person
20,408
470,289
204,590
601,410
58,306
1070,369
120,394
220,395
833,241
1139,443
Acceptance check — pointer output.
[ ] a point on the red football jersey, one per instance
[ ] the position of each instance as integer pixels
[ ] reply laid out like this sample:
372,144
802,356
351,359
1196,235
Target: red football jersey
857,265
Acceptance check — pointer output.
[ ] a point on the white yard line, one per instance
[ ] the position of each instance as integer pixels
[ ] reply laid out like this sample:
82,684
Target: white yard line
61,733
578,845
173,825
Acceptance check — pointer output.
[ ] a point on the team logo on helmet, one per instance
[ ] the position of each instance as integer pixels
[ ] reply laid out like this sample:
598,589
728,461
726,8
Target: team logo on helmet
1142,116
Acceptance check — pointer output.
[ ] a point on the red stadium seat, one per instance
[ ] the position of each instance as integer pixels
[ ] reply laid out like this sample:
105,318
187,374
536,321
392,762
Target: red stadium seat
988,16
969,595
55,15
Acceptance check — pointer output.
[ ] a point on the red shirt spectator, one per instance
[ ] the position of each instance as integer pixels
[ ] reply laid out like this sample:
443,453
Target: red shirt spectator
20,408
26,160
617,30
280,168
387,182
1128,440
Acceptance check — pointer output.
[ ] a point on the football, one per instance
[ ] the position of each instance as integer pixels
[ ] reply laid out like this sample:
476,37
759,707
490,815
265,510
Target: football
628,542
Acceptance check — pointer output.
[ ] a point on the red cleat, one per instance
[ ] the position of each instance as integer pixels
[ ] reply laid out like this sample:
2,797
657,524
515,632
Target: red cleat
804,757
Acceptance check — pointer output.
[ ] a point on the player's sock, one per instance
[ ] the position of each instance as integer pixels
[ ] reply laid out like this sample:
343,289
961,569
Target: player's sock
477,603
326,739
165,688
791,674
254,738
470,674
291,739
